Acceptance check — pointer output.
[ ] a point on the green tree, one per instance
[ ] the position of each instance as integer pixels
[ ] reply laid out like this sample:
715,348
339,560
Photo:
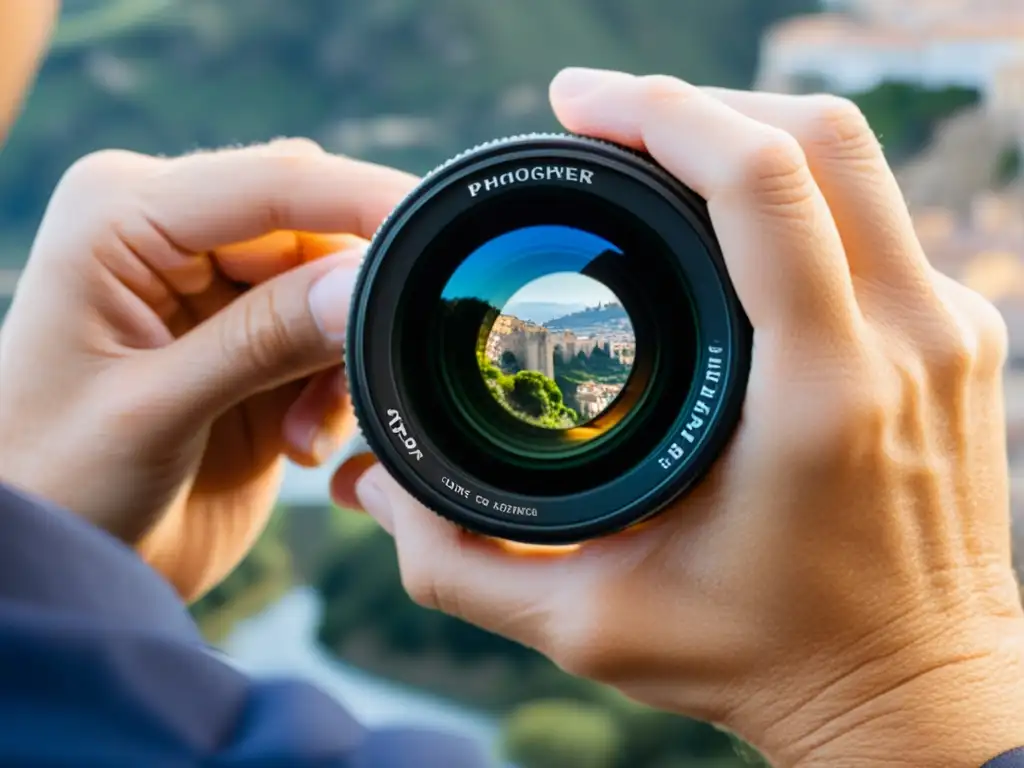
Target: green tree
264,574
559,734
531,394
215,72
364,602
905,115
650,737
1010,166
362,592
539,397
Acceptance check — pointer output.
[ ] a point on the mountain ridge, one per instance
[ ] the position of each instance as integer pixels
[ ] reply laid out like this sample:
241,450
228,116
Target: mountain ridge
611,315
541,312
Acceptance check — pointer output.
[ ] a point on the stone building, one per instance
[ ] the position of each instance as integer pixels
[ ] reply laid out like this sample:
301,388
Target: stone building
532,346
535,347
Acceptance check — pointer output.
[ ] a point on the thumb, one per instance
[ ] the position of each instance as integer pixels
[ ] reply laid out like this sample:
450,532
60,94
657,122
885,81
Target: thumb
279,331
467,576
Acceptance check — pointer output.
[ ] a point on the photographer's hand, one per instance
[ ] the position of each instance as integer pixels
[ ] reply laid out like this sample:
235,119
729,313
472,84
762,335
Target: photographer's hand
144,384
839,590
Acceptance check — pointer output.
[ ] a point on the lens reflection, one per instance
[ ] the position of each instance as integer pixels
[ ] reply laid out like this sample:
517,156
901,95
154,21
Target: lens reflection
554,345
560,351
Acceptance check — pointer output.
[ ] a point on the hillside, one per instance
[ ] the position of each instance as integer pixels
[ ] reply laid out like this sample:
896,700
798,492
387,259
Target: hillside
964,160
540,312
398,81
607,317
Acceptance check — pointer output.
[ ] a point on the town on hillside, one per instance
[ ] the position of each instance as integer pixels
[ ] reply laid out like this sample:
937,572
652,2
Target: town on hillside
566,350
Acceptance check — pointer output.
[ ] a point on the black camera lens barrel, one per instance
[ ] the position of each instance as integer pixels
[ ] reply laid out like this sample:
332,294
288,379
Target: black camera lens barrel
413,347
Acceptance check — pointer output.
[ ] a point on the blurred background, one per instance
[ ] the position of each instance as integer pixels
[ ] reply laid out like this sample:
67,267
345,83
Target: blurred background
410,82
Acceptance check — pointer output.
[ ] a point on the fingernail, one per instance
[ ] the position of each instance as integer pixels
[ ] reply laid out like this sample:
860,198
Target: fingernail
373,499
329,300
574,82
325,445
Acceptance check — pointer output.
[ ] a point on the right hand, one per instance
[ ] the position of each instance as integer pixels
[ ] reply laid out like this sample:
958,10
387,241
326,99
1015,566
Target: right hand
839,590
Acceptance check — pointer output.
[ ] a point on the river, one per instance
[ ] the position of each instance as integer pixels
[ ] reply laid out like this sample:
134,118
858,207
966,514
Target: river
281,641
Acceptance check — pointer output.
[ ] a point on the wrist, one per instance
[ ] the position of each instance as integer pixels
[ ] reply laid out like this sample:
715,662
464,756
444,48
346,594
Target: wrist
958,706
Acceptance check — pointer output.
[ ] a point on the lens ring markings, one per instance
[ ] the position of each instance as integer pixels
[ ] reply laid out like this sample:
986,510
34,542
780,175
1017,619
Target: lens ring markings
533,176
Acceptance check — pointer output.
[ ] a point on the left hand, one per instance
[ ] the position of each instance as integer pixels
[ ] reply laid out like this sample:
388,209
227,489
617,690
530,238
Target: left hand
177,333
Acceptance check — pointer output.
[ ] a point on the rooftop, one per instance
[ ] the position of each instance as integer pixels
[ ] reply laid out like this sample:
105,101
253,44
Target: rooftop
848,30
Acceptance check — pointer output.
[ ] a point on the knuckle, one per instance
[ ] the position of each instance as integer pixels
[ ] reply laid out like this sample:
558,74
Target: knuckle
286,163
658,89
93,188
993,336
274,212
990,332
848,419
262,338
838,125
860,411
952,350
583,643
421,587
276,208
295,146
94,171
585,654
774,166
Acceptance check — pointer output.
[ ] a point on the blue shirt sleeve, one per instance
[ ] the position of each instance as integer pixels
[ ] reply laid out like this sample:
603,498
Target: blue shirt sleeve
1013,759
101,666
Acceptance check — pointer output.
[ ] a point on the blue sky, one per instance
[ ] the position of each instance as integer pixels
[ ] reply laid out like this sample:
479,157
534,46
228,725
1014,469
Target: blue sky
564,288
533,264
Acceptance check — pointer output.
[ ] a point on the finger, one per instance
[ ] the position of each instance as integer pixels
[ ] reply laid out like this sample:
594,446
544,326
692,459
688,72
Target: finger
204,201
256,261
781,245
355,464
347,476
285,329
316,424
849,165
103,188
460,574
229,269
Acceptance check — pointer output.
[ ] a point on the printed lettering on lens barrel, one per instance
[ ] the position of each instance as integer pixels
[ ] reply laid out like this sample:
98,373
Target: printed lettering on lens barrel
545,345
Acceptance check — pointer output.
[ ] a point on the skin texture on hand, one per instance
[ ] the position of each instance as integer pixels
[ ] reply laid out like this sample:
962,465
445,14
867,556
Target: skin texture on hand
177,333
839,590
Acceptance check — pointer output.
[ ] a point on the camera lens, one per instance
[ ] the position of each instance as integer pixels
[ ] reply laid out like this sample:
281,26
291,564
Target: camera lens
544,343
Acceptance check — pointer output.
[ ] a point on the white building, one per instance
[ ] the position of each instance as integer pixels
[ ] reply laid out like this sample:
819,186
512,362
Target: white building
918,13
934,43
1005,98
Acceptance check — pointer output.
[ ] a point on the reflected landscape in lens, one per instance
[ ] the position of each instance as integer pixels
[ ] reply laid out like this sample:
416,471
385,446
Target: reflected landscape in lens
560,351
554,346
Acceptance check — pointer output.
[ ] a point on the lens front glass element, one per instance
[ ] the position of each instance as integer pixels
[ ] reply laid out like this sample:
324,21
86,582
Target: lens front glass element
549,341
544,343
555,347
